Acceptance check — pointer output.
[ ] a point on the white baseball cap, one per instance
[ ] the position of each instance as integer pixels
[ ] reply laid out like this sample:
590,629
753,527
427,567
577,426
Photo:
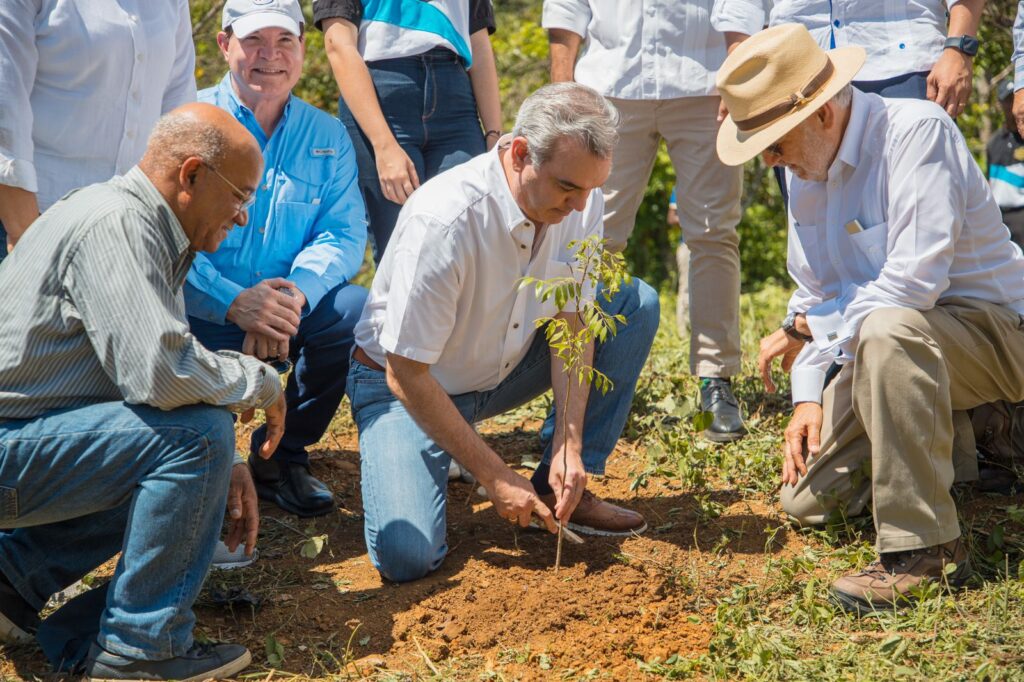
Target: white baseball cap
248,16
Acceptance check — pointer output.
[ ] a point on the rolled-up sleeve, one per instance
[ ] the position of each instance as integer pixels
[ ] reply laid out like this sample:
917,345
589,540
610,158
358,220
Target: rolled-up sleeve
208,293
349,10
335,252
130,314
18,61
181,88
571,15
739,16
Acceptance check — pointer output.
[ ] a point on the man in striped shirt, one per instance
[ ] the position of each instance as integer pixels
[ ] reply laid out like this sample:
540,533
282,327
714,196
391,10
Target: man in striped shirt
113,416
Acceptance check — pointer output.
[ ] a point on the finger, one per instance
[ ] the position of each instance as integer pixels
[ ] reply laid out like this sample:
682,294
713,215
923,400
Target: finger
262,347
785,470
252,521
247,416
249,345
389,193
813,441
413,177
235,501
801,464
564,503
764,363
275,428
234,536
278,282
282,351
524,516
931,89
787,463
542,511
723,111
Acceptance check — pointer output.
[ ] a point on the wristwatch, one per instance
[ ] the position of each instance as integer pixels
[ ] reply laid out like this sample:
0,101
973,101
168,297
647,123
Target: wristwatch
966,44
789,326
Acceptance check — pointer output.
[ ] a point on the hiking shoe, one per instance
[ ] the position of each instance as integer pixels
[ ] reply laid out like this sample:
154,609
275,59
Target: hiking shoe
225,560
889,580
716,397
291,486
201,662
594,516
18,620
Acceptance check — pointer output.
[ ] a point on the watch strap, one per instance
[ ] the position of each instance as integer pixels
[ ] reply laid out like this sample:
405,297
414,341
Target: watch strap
965,43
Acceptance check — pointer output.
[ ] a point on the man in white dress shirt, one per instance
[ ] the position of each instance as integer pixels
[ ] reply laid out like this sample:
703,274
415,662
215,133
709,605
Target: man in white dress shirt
448,338
907,283
656,61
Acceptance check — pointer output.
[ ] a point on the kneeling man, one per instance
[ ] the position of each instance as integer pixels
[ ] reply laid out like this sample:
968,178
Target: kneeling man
115,430
907,284
448,338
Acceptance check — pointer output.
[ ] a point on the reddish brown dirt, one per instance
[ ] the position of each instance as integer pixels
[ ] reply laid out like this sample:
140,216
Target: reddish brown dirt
496,603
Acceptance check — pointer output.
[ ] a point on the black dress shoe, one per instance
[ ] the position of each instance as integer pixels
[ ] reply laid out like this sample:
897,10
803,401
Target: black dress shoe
291,487
716,397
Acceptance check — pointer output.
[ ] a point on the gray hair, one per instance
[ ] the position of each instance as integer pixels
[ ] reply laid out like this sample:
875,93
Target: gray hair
179,135
567,110
844,97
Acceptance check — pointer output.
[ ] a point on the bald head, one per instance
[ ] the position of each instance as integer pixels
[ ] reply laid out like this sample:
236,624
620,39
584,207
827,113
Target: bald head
196,130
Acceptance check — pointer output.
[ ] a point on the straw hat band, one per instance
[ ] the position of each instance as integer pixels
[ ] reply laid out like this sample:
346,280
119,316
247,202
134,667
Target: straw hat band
792,102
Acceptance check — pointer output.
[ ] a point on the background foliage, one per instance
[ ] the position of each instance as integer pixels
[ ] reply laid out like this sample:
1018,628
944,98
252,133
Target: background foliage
521,50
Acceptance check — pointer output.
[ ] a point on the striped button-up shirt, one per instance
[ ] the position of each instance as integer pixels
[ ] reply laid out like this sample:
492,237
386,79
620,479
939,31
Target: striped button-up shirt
899,37
95,312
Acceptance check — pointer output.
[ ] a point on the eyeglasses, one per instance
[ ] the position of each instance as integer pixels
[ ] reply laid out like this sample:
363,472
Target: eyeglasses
245,200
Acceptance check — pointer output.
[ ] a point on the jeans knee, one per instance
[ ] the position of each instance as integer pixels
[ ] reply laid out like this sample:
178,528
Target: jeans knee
640,304
402,553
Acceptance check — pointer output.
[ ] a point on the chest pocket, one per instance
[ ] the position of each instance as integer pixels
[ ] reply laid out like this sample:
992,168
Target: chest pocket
302,181
871,243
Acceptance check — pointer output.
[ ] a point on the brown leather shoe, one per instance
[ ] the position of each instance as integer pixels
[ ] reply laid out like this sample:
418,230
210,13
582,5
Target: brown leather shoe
890,579
594,516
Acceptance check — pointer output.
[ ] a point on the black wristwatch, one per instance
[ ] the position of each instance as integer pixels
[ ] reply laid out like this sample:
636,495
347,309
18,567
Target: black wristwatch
966,44
789,326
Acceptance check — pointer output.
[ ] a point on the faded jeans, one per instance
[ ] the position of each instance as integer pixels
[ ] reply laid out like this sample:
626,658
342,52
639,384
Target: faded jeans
81,484
405,474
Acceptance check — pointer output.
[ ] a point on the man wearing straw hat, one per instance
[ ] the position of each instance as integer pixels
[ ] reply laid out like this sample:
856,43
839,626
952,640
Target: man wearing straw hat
907,284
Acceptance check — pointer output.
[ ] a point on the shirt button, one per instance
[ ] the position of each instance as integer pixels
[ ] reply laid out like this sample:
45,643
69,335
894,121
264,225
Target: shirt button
522,246
836,23
650,11
507,364
259,274
130,134
262,230
138,57
515,326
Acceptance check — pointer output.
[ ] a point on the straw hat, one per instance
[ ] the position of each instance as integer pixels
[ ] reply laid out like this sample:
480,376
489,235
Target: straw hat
773,81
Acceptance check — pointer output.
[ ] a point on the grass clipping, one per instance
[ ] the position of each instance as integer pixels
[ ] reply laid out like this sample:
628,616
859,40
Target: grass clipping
592,275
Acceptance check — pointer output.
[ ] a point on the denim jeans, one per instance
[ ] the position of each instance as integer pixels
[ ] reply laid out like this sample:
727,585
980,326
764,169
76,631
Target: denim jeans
405,474
81,484
319,352
428,103
906,86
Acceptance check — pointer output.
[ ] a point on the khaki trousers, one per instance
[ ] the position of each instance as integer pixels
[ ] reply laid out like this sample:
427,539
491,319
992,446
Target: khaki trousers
708,199
888,431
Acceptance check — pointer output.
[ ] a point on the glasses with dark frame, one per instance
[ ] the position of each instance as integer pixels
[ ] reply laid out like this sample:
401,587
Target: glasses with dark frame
246,200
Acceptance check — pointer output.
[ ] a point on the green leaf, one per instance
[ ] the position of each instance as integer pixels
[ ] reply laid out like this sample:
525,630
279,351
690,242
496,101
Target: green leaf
274,650
702,420
312,547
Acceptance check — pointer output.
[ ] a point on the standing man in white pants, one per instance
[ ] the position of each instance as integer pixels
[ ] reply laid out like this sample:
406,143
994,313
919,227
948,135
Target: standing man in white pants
656,60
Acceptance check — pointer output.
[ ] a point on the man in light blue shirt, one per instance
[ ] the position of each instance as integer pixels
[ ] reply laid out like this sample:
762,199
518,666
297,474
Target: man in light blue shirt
279,289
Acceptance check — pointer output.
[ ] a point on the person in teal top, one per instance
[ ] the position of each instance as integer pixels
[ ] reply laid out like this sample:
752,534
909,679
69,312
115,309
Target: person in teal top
279,288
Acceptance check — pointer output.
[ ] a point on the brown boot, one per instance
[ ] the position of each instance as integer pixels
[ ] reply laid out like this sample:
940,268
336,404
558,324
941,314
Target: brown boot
594,516
890,579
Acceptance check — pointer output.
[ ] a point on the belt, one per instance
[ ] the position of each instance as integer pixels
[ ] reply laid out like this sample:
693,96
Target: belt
360,356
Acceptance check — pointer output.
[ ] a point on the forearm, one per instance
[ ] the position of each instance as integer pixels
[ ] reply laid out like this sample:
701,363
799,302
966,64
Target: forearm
435,413
18,209
355,83
965,17
564,46
484,79
733,40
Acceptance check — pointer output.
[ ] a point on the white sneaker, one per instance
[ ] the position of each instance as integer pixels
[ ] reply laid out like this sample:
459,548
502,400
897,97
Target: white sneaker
456,472
225,560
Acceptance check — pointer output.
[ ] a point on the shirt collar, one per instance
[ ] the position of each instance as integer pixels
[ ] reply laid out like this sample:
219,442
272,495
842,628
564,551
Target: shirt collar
139,184
511,215
853,139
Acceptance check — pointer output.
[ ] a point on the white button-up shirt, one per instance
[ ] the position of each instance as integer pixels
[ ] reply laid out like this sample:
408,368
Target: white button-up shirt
447,290
900,37
83,82
927,229
1018,48
642,49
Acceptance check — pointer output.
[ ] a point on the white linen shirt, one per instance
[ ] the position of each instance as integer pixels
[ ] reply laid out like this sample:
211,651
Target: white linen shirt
931,230
642,49
899,37
83,82
447,290
1018,48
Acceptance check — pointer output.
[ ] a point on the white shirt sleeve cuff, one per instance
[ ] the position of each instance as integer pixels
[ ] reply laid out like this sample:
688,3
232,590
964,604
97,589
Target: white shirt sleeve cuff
18,173
808,384
827,325
555,16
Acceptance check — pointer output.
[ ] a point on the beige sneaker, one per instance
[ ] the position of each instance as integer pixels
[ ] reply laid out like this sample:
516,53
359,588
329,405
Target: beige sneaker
889,580
594,516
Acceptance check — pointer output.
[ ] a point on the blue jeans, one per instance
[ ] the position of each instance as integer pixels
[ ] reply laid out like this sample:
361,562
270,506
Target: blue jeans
405,474
428,103
906,86
81,484
319,353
